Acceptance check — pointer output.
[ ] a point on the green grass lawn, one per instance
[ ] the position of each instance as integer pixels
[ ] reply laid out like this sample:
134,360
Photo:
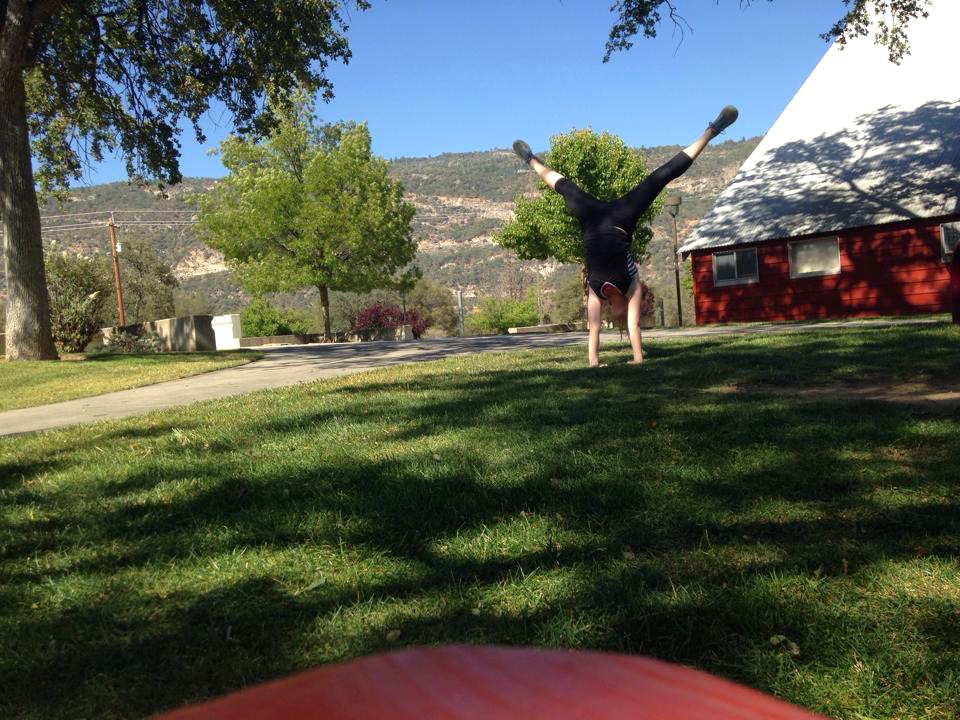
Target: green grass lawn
27,384
808,548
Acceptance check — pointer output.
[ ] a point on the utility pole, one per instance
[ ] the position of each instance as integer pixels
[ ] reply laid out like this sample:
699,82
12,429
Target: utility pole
460,309
116,269
673,207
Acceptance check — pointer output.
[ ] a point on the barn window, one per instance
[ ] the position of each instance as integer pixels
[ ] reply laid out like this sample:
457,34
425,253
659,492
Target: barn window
736,267
815,257
949,239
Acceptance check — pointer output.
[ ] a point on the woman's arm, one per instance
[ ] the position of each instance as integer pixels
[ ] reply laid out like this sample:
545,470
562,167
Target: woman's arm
634,304
550,177
594,306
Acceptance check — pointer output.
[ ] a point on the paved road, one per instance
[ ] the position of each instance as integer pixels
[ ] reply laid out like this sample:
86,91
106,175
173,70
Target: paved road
281,365
288,365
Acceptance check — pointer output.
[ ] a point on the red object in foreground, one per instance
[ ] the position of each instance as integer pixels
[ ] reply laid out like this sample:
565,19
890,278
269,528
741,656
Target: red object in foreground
497,683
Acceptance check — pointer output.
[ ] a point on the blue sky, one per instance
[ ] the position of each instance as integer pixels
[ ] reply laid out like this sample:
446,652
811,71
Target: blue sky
434,76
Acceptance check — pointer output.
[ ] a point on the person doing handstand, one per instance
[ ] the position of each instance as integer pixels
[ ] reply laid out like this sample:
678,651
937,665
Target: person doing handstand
608,230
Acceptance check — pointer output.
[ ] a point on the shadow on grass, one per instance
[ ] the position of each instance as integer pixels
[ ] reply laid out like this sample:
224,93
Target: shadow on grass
627,509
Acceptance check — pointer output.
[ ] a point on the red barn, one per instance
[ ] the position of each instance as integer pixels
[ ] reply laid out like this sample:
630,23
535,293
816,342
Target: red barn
850,206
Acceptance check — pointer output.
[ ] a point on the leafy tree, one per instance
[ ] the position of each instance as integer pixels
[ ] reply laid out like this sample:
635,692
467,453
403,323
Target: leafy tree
261,319
310,207
892,17
83,78
436,304
187,303
79,288
148,284
603,166
566,304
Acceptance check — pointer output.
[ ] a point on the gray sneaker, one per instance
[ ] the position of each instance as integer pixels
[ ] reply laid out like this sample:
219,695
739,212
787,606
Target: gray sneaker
523,151
727,117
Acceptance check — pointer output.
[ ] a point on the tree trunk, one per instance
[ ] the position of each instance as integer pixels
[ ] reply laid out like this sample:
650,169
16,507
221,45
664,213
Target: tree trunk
325,306
28,334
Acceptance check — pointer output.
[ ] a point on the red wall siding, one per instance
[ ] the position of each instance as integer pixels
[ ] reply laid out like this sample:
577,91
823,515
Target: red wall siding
889,270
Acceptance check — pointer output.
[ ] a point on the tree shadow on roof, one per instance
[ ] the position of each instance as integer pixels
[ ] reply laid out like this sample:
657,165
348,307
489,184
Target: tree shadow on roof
891,165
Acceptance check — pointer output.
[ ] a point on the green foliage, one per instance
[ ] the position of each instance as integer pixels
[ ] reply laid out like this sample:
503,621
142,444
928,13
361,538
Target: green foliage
310,207
567,301
602,165
132,344
126,77
261,319
78,288
436,304
148,283
686,275
496,315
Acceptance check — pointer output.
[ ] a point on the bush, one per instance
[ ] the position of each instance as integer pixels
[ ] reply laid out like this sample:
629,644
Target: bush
129,343
78,288
345,306
495,316
261,319
436,304
380,316
567,301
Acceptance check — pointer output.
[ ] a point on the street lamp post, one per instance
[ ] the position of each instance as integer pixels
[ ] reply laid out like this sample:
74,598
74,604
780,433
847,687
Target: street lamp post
672,204
114,249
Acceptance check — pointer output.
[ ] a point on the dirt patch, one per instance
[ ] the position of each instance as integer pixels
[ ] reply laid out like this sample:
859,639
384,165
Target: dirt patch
915,393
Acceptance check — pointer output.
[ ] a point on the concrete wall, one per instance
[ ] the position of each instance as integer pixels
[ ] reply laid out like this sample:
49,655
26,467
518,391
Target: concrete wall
182,334
226,330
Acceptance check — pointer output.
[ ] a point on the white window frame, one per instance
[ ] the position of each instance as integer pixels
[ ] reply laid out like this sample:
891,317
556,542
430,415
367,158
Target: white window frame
750,280
954,227
814,273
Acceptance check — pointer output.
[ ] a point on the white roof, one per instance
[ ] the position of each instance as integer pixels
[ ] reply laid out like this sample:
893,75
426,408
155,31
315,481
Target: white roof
863,142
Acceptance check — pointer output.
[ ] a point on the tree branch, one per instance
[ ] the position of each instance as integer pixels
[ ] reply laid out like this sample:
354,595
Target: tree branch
42,10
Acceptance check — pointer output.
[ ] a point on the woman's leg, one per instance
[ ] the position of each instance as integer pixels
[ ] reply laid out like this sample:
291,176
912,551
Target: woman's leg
632,205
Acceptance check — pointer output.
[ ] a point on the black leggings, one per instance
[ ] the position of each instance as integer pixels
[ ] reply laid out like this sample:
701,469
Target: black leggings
625,211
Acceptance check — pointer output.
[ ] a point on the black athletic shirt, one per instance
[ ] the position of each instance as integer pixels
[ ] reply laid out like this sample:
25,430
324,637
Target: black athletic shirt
608,226
607,232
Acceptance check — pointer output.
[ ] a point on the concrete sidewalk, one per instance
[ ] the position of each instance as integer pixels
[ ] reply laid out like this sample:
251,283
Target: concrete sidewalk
289,365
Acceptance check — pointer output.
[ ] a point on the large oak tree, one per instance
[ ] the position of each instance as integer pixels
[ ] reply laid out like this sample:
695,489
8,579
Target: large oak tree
84,77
